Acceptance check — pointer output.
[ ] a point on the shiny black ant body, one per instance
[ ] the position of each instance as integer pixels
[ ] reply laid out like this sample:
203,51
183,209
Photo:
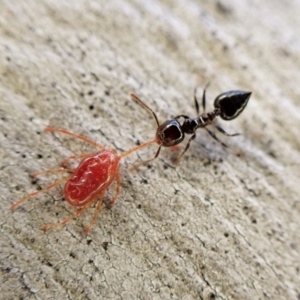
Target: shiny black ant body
227,105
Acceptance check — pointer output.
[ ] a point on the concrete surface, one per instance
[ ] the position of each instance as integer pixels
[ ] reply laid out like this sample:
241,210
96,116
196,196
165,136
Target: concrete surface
218,226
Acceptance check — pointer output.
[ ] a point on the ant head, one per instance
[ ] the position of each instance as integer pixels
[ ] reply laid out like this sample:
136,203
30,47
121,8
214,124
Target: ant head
231,103
169,133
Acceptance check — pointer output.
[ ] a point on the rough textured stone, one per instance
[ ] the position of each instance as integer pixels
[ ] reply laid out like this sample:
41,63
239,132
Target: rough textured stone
218,226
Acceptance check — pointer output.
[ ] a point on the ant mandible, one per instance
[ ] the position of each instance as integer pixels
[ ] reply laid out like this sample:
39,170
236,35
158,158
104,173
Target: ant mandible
88,182
227,105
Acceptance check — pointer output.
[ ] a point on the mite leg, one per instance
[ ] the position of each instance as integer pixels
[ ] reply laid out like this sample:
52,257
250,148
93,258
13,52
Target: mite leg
56,183
224,132
215,137
52,171
145,162
124,154
80,137
186,148
117,192
96,214
67,220
64,162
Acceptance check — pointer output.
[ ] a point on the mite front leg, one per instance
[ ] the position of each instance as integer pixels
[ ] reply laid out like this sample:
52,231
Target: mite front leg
118,179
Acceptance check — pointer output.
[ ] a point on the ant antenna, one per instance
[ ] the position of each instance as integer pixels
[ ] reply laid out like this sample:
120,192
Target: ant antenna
136,98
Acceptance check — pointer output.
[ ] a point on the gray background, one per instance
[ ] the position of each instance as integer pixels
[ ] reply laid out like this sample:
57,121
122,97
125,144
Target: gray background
218,226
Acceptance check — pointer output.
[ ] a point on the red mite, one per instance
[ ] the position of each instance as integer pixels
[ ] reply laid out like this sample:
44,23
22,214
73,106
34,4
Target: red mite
88,182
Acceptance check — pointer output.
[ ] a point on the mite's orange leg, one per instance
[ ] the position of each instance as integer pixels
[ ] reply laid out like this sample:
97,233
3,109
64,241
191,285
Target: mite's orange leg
67,220
96,214
80,137
138,147
52,171
64,162
117,192
56,183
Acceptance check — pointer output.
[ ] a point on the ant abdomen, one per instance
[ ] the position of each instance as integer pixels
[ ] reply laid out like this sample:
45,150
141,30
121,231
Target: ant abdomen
231,103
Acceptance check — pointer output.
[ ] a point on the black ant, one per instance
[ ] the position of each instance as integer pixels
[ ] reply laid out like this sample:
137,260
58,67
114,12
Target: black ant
227,105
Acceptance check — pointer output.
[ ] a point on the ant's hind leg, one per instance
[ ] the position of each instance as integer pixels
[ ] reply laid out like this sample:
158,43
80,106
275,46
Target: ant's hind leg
224,132
186,148
215,137
237,151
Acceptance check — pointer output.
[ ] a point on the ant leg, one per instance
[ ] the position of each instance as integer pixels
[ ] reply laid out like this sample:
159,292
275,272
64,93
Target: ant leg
181,116
203,99
237,151
16,204
80,137
215,137
136,98
196,101
186,148
52,171
118,178
96,214
224,132
67,220
145,162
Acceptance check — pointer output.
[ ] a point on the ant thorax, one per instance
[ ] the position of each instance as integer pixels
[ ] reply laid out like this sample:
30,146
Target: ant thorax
191,124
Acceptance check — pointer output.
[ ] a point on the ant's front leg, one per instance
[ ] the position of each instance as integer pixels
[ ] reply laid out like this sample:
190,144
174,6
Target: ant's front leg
146,161
186,148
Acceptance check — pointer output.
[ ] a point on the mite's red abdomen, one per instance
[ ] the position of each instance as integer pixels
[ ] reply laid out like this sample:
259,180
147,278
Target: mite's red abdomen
93,175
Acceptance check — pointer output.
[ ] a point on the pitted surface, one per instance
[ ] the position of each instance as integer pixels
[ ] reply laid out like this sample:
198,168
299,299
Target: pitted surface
218,226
